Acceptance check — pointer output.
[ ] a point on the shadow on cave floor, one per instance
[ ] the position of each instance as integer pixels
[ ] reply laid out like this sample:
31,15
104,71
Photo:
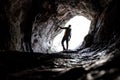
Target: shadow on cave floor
29,66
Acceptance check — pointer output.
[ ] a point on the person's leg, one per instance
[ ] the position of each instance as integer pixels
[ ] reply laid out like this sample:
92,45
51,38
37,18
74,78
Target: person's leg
67,44
63,43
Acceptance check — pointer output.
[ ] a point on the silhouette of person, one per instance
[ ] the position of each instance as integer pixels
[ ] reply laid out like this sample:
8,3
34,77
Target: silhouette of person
66,37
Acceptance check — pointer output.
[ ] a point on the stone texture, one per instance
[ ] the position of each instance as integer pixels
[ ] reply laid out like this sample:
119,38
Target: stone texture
27,25
22,18
45,26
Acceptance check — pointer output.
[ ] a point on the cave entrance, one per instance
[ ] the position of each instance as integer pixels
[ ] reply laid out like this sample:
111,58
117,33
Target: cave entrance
80,27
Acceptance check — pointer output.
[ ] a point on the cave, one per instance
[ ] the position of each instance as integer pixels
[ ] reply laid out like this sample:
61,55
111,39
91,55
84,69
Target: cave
28,29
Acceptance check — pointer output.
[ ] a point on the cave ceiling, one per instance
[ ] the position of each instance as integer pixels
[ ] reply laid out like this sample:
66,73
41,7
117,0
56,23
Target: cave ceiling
42,17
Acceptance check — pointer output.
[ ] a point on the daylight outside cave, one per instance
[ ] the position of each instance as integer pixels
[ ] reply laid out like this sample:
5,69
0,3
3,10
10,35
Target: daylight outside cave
80,27
28,25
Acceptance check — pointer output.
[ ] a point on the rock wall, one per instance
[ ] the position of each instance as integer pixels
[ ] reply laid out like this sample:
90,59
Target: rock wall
14,24
19,20
105,28
32,25
45,26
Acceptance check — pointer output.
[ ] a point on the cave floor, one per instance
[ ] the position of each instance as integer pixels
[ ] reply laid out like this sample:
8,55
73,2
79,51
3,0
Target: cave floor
33,66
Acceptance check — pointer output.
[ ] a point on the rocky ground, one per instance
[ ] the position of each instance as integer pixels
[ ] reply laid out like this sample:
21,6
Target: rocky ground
22,19
67,65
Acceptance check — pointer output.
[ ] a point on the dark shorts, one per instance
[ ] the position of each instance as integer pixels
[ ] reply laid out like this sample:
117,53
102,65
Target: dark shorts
65,38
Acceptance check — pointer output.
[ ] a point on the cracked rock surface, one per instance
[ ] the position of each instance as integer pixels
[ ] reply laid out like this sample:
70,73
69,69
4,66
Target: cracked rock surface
27,29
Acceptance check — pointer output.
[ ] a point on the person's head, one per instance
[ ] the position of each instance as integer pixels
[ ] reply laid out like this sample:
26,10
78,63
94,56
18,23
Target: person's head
69,26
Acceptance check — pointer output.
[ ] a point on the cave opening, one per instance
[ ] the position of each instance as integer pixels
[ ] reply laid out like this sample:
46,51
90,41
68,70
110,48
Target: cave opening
34,24
79,29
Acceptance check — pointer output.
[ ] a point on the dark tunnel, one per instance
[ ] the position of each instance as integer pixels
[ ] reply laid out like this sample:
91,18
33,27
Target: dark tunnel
28,29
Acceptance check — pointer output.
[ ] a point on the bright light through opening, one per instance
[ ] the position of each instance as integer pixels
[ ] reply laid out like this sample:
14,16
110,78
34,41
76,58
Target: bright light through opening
79,29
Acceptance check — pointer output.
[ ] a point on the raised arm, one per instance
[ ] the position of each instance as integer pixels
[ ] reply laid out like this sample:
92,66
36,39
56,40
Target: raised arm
63,27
